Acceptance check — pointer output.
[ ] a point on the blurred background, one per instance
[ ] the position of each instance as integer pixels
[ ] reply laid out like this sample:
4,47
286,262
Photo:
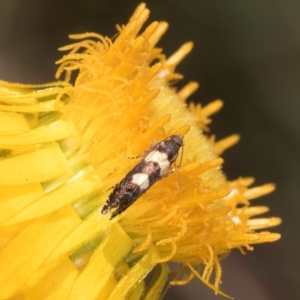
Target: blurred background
246,53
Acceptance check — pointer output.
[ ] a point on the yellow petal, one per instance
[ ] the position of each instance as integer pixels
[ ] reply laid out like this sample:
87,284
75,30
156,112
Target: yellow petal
55,131
32,246
80,185
12,123
43,164
135,274
56,285
14,198
157,283
102,265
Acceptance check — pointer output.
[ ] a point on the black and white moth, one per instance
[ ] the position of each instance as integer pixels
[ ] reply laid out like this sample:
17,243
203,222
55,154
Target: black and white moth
155,165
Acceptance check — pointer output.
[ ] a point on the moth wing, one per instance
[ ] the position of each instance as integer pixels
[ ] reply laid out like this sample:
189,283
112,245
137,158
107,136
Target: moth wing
149,150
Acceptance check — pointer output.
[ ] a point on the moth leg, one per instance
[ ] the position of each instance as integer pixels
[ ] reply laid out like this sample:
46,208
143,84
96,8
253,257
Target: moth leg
110,188
105,209
168,173
131,157
119,210
112,202
122,204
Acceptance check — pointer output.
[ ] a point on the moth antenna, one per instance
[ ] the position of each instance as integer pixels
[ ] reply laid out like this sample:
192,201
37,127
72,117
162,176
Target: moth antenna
179,183
179,166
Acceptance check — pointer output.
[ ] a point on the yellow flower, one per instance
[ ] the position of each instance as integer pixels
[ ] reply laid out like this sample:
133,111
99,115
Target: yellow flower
62,147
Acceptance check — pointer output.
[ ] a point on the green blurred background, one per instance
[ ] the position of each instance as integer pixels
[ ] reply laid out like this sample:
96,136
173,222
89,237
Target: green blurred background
246,53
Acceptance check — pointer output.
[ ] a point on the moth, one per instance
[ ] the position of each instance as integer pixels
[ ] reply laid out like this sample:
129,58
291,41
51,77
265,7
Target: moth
155,165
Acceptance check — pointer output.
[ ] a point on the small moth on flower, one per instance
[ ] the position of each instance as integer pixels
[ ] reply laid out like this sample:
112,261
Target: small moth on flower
155,165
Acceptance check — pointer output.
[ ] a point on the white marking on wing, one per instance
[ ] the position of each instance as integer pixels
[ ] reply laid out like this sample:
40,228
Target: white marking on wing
141,180
160,158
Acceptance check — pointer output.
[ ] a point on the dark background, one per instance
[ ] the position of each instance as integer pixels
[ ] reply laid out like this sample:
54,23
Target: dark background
246,53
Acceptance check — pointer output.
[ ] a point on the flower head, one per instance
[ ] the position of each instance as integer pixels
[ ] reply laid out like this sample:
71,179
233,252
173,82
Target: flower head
62,148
